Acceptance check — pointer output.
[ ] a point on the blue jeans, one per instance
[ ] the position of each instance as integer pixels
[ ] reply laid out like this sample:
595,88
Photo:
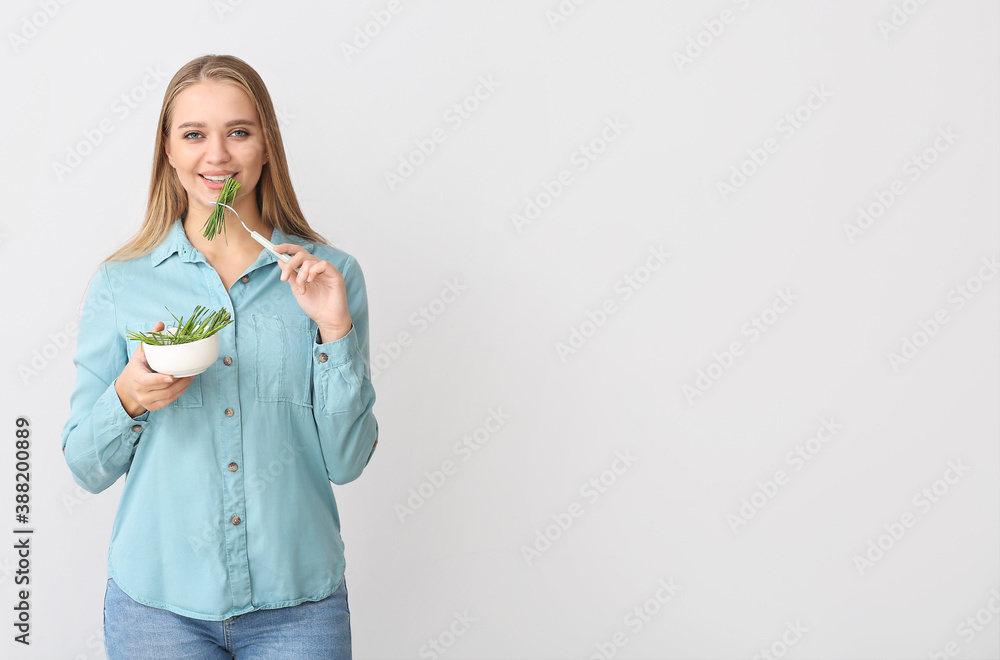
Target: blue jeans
314,630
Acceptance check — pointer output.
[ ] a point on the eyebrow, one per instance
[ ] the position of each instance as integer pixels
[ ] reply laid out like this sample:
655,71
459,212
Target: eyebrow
198,124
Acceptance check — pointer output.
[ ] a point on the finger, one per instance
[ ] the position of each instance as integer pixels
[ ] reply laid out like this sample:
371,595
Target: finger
306,272
288,248
145,376
289,268
291,249
141,351
303,274
177,387
316,268
282,248
139,358
164,397
320,267
300,258
152,381
161,393
284,270
301,262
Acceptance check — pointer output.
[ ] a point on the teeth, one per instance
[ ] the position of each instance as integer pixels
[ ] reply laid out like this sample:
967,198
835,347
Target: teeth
218,178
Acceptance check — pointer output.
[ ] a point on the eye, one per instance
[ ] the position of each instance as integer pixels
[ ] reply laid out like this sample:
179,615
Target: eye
239,132
192,135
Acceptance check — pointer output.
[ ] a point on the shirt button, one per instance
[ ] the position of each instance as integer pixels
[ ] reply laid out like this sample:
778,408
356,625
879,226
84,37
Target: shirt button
323,357
235,520
245,279
230,412
233,467
136,428
227,360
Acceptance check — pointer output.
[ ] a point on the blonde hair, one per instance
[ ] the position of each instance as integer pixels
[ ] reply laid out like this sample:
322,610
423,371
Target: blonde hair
167,198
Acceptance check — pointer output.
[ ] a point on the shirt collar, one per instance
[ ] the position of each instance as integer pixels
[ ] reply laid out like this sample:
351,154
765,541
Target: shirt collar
177,242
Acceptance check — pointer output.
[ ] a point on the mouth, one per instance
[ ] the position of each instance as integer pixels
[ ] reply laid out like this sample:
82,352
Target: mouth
216,181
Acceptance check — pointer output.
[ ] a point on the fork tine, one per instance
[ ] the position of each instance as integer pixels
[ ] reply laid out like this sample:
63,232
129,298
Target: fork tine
237,214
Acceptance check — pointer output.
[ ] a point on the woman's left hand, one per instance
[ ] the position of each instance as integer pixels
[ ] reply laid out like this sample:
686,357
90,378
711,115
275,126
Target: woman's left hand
319,289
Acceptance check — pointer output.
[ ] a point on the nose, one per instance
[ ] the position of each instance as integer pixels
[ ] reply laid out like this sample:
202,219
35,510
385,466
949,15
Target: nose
217,151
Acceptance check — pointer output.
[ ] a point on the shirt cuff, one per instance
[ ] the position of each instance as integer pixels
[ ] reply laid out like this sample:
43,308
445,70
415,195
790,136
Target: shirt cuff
337,352
338,371
114,420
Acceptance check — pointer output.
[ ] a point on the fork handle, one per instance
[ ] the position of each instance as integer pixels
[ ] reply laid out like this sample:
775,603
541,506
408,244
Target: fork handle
269,246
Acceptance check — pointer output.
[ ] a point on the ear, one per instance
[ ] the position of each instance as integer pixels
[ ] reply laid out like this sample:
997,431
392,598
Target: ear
166,150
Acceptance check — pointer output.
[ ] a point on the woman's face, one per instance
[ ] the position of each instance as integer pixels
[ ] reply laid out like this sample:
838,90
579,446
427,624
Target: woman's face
215,134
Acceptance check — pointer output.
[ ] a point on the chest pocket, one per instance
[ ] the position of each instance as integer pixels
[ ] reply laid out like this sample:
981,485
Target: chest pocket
284,348
190,397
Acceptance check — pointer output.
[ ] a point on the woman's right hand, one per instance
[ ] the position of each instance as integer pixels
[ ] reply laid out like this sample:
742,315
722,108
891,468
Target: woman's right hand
140,388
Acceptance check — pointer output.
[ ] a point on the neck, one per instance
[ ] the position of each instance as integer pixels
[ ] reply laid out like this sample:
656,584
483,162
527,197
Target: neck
235,241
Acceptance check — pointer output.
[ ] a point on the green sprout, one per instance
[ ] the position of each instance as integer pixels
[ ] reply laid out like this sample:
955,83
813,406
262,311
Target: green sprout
199,326
216,223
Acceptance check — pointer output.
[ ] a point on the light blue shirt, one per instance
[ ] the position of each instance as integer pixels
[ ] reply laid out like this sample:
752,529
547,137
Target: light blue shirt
227,505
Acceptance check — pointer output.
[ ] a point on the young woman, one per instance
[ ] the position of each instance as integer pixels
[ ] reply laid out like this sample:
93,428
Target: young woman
226,541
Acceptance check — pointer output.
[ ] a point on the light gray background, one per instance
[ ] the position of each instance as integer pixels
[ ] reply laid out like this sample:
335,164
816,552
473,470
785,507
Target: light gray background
347,120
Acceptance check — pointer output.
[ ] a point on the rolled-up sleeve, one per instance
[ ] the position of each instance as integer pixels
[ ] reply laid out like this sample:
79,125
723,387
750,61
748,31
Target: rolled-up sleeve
99,437
343,389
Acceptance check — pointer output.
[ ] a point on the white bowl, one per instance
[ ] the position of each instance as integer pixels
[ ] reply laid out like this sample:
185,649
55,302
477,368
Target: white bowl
182,360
